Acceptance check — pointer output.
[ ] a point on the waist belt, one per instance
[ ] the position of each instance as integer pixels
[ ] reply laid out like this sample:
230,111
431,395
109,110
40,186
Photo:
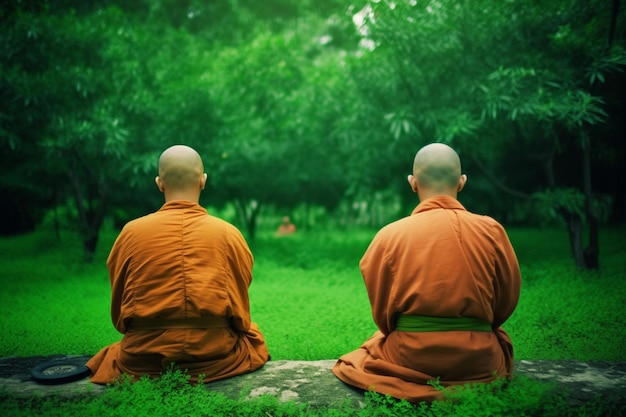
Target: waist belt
411,323
208,322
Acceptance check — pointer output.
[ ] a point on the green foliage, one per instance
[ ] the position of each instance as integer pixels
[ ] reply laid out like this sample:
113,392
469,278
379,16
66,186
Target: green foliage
484,66
605,64
106,101
173,395
169,395
491,78
291,103
520,397
571,200
279,109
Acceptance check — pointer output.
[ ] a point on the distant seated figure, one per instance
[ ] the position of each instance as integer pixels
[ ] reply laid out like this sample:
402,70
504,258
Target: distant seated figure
441,282
179,280
286,227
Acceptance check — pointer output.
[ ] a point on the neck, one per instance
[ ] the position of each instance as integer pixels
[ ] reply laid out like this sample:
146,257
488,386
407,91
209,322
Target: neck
426,194
182,195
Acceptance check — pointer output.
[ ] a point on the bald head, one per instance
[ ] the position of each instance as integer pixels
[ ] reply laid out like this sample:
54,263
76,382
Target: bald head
437,171
181,173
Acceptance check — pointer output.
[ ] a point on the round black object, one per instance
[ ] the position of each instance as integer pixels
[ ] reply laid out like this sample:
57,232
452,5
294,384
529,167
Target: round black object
58,372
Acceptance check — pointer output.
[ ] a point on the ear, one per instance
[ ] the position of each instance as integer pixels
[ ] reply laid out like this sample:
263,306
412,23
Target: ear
158,182
462,181
203,181
412,182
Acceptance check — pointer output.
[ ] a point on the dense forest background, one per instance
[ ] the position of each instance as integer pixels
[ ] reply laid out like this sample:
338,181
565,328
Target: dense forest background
313,108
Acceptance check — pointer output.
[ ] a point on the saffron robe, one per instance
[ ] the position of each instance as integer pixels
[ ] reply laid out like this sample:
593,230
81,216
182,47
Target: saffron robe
441,261
178,263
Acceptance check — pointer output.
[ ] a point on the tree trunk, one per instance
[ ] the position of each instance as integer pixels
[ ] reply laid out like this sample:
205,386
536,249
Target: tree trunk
90,227
57,226
248,213
584,258
90,243
252,224
575,233
592,251
91,211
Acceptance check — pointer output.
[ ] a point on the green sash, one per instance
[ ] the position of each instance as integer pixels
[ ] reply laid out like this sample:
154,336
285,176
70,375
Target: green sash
409,323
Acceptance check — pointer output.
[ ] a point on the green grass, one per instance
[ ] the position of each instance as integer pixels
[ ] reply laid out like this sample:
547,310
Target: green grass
565,313
172,395
310,302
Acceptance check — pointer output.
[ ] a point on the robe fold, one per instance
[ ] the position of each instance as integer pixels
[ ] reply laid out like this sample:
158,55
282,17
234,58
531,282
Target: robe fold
179,263
442,261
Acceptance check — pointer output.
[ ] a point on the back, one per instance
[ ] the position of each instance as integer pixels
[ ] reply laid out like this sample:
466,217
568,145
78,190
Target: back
180,262
441,261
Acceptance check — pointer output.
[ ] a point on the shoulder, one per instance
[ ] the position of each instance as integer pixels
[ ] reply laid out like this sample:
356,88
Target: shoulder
486,226
138,223
393,230
228,232
485,220
221,224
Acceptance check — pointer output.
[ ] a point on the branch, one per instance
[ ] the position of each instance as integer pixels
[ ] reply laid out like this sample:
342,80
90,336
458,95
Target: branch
499,184
614,14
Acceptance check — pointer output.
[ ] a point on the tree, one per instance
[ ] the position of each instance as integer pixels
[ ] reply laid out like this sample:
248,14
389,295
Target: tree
450,70
110,84
559,91
278,109
107,96
299,106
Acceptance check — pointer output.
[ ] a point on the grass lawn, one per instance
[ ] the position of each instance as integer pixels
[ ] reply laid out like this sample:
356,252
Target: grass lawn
309,300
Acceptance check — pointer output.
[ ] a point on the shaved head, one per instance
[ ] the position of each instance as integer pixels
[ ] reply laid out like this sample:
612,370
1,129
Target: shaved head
437,168
180,168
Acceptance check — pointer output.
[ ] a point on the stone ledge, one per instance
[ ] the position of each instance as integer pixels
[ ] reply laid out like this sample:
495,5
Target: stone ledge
313,383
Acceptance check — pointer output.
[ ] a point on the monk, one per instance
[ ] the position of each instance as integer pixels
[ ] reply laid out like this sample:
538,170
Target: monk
179,280
441,282
285,228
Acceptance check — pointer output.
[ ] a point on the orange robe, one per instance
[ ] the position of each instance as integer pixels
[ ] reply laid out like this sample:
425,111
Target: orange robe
177,263
441,261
